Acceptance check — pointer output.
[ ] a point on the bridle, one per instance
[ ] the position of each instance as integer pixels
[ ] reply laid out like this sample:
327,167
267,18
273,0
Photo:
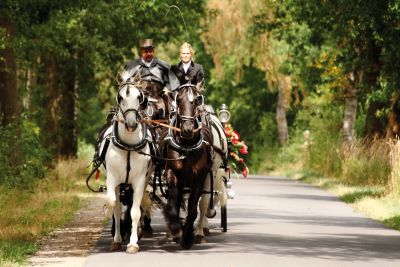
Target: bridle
195,117
124,113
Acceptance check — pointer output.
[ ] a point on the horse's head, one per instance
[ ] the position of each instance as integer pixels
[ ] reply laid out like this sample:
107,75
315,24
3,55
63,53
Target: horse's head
130,100
188,100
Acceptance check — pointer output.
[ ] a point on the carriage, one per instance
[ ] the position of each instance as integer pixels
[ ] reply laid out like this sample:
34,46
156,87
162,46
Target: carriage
180,146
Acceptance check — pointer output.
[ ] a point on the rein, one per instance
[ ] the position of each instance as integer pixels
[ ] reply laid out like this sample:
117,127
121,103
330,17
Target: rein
161,122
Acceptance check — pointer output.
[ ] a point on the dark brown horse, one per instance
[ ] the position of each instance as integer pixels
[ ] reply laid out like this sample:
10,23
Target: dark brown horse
189,143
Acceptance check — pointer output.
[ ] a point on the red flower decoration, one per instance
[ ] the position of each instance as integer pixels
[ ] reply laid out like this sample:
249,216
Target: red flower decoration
245,171
243,150
236,146
236,135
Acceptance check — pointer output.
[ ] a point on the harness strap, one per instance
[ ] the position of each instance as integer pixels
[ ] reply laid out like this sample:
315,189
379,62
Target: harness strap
101,188
121,145
128,167
219,151
161,122
153,121
160,158
211,205
96,165
103,153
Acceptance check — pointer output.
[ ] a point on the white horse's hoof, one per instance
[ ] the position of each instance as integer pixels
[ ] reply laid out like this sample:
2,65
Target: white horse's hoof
116,246
206,231
132,248
108,212
199,239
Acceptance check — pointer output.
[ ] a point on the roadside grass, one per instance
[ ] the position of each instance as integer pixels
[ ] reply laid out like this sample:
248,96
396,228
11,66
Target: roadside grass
29,214
374,201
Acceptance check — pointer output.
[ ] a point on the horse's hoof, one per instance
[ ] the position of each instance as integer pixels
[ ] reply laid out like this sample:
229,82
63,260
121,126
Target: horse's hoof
175,228
211,213
187,241
206,231
199,239
116,246
147,230
132,248
186,245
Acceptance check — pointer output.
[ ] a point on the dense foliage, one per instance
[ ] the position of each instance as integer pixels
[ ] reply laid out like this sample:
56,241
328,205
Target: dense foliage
283,67
58,62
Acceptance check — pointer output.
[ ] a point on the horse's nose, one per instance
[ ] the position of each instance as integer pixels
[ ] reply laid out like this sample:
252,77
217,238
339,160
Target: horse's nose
187,129
131,127
130,122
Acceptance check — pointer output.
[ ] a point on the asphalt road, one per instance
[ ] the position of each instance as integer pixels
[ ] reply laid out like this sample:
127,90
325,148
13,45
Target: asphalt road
273,222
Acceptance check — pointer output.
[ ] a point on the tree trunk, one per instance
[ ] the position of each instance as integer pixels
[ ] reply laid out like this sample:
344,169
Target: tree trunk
393,127
52,104
61,105
284,89
31,82
68,146
9,104
350,111
9,99
374,126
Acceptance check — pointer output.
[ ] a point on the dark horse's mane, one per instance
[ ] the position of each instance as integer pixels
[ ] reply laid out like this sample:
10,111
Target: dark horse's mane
197,89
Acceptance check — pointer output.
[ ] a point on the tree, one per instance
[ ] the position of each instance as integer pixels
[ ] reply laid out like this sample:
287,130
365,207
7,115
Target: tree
9,101
357,31
240,45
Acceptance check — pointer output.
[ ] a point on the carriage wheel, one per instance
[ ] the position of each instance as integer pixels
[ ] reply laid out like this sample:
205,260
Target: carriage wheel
224,219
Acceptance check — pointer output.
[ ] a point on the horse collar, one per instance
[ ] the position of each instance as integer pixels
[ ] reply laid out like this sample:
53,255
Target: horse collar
121,145
179,147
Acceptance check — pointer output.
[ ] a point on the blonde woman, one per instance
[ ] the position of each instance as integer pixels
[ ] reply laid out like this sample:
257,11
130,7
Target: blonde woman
187,71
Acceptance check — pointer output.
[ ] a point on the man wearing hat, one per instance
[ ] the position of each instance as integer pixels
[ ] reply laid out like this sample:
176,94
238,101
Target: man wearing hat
155,76
155,73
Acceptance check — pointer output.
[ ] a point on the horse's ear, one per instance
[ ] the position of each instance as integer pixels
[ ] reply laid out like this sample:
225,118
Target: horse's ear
200,86
118,98
119,78
137,78
143,100
199,100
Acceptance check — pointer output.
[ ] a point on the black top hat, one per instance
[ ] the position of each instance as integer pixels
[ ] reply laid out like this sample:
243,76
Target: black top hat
146,43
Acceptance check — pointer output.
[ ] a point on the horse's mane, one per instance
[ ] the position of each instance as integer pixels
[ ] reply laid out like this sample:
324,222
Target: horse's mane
126,74
198,90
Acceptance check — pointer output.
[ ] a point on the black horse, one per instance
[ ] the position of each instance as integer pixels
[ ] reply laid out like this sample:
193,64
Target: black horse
188,142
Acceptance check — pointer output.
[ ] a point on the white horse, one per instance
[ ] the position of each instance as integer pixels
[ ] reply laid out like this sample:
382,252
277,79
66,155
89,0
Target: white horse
219,143
127,159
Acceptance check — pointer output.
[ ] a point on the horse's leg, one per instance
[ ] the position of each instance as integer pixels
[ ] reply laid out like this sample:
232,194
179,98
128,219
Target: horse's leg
110,208
187,239
203,207
117,241
171,210
146,206
111,195
220,186
139,185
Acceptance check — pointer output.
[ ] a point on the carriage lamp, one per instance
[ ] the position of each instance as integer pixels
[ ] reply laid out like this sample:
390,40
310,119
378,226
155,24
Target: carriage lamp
224,115
230,194
229,191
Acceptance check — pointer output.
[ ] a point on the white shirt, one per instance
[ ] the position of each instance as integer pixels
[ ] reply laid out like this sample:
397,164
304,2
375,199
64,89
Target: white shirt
147,63
186,66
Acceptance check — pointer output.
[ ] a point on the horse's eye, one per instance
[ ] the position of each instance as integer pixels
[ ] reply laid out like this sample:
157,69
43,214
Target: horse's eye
119,99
